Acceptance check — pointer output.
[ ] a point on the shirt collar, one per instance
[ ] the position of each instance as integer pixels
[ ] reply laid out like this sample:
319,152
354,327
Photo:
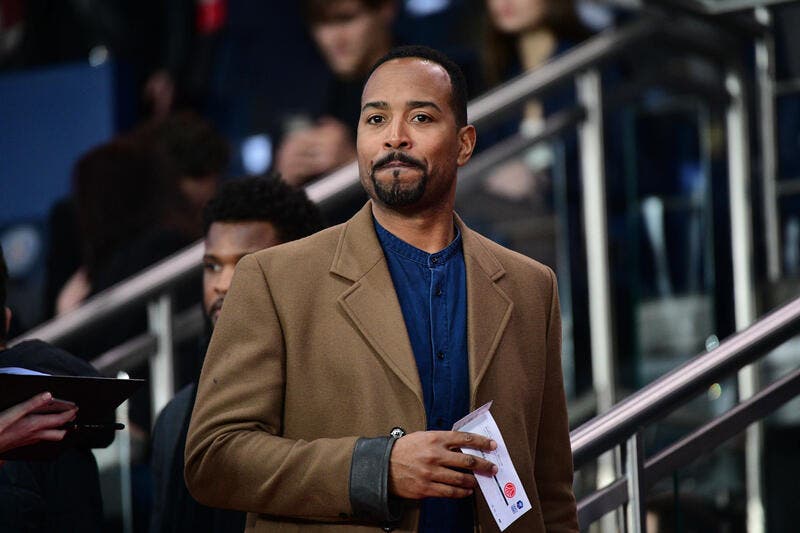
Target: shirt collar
393,244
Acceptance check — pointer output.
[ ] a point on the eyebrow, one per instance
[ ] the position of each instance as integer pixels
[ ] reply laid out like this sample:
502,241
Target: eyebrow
377,105
411,104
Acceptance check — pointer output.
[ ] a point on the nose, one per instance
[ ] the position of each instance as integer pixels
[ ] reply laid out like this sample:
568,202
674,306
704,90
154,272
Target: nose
397,136
223,281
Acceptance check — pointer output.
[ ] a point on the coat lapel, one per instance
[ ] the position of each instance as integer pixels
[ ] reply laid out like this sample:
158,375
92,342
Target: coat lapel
488,307
371,302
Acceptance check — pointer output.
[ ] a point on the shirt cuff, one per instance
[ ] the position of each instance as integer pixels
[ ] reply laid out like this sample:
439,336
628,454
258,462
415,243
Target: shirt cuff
369,482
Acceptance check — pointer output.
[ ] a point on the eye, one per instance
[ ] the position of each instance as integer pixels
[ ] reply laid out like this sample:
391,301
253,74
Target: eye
375,119
212,267
420,117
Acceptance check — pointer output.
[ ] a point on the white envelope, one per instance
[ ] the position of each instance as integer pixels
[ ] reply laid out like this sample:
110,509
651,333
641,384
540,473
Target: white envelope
503,492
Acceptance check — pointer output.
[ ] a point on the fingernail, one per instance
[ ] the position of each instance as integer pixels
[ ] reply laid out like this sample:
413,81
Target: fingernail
495,469
493,445
47,396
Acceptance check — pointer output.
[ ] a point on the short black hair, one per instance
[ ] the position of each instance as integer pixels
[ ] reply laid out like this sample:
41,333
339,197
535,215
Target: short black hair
3,282
264,199
458,83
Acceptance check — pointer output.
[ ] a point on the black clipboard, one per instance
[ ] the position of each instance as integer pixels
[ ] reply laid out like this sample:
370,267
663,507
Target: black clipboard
96,398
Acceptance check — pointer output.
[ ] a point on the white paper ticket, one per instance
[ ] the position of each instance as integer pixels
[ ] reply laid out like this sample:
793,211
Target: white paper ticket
503,492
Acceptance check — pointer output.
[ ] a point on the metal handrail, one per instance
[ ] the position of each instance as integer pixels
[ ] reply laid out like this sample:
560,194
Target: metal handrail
680,385
131,293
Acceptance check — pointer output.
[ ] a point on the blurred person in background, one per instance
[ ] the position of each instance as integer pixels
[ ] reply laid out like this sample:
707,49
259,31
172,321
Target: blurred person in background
150,41
129,215
183,159
246,216
351,35
61,491
521,36
524,34
193,155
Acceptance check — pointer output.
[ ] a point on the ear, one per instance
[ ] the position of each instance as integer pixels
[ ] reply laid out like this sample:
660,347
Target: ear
466,143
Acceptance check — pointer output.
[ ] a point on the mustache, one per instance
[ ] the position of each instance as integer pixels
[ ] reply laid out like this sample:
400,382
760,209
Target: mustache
402,157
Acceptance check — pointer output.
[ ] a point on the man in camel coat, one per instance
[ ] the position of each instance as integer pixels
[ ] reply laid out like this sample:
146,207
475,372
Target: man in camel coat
340,362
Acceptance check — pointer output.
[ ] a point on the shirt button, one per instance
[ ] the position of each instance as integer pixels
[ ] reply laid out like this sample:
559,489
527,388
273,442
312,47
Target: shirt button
439,291
439,422
440,355
434,260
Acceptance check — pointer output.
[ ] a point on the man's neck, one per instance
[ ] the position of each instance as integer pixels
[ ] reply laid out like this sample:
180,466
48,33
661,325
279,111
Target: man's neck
430,231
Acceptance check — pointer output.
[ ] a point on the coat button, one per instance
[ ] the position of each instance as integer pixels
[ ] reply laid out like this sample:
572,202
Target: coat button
397,432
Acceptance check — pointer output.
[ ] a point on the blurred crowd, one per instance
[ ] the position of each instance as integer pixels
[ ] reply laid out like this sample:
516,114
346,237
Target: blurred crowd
207,104
208,92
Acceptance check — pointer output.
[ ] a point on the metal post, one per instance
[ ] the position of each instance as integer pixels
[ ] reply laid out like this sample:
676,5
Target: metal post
765,78
743,293
635,514
123,445
162,382
590,134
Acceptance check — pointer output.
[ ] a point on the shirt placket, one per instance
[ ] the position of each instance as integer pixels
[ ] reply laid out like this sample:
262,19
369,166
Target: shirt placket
439,343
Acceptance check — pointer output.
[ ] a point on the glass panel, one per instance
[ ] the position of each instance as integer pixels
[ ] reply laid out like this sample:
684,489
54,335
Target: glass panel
665,292
521,202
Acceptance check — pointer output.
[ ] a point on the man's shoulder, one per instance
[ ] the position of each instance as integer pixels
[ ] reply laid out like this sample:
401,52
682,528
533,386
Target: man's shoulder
512,262
313,248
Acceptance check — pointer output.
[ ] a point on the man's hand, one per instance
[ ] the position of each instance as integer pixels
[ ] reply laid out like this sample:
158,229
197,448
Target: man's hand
423,464
20,425
308,153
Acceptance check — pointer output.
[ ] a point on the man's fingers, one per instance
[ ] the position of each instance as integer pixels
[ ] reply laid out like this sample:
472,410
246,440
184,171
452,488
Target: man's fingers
473,441
58,419
50,434
454,478
442,490
469,462
12,414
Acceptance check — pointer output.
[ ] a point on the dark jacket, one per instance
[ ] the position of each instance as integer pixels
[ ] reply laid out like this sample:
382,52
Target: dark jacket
62,494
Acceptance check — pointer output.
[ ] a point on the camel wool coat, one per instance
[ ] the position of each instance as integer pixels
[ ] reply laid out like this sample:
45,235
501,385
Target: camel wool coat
310,353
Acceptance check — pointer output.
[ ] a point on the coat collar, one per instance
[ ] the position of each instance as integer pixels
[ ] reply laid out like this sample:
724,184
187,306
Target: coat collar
371,302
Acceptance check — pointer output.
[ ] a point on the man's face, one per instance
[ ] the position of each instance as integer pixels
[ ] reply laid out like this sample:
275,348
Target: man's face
225,244
352,37
409,146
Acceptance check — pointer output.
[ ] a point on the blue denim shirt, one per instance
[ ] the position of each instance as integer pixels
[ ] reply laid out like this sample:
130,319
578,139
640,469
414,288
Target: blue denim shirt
432,291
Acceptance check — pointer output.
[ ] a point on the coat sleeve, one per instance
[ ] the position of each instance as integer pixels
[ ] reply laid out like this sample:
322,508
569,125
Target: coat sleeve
236,457
553,467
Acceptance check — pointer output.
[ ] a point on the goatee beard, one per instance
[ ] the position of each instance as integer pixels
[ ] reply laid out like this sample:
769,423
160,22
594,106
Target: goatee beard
396,193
